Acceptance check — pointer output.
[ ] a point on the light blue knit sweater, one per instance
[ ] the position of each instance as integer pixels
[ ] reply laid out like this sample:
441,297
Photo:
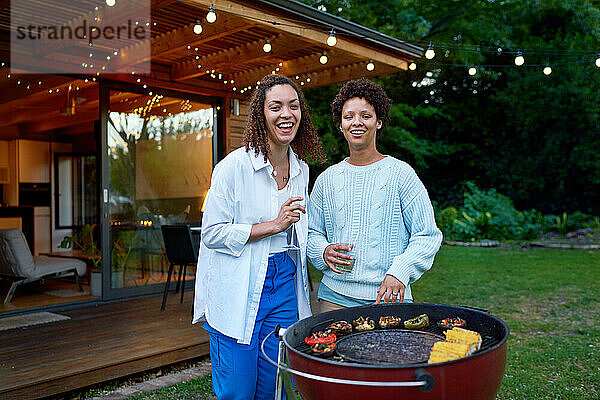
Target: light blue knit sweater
383,208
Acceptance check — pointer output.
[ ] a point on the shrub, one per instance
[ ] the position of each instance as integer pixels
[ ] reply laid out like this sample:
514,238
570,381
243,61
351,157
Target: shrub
487,214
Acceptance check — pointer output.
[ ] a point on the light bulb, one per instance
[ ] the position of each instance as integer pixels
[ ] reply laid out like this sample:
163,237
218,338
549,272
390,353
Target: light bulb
598,61
370,66
211,16
412,66
472,71
429,54
331,40
267,47
110,3
519,59
323,59
197,28
547,70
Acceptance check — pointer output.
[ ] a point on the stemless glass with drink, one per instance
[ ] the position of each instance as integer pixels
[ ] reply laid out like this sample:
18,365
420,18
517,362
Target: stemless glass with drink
352,253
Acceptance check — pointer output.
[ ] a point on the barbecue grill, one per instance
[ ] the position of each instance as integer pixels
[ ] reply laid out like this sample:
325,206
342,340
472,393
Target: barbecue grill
392,364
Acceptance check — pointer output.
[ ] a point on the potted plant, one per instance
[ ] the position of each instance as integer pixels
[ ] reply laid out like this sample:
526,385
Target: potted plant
119,255
84,241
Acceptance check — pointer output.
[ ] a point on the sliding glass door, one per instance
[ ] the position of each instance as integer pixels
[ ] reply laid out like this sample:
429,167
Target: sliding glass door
159,155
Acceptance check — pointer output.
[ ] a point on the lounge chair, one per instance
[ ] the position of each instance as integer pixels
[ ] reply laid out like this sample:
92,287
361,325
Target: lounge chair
18,265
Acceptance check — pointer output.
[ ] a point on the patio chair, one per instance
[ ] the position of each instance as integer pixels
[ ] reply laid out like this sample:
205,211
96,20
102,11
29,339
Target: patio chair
181,251
18,265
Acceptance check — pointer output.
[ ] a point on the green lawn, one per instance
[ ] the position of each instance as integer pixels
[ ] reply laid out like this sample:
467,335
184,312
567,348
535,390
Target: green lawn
547,297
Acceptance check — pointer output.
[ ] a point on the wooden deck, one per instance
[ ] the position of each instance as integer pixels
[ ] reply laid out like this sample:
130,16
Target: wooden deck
97,344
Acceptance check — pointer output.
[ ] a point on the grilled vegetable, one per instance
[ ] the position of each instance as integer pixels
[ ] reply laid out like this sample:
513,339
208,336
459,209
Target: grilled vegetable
460,349
320,337
452,322
460,335
340,328
419,322
390,321
323,348
363,324
439,356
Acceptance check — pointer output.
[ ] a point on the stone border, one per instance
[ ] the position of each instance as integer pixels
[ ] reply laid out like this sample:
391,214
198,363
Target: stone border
565,246
483,243
157,383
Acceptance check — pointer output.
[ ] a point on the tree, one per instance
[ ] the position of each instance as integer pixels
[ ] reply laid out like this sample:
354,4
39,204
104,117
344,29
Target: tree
531,136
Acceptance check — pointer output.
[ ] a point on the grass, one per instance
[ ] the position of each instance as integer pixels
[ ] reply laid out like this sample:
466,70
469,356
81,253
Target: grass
194,389
548,298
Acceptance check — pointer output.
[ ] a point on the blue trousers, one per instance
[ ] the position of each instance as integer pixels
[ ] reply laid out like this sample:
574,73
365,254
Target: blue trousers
240,371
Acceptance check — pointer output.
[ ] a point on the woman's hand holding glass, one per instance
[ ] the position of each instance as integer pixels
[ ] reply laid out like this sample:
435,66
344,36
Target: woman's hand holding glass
333,255
288,214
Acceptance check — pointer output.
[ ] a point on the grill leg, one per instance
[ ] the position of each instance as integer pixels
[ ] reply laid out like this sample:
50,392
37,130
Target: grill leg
279,381
284,379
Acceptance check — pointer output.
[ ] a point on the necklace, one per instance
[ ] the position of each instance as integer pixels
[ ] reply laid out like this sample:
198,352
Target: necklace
285,178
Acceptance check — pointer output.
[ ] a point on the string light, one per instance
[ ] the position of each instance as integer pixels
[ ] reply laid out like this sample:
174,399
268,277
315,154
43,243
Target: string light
197,28
267,46
547,70
519,59
412,66
370,65
323,59
110,3
472,71
211,16
331,40
429,54
598,61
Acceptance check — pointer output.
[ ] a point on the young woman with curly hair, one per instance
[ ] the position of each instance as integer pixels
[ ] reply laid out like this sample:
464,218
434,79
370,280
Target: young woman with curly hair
252,272
372,229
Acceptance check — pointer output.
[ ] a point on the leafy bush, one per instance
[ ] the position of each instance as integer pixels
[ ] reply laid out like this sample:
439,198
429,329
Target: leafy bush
487,214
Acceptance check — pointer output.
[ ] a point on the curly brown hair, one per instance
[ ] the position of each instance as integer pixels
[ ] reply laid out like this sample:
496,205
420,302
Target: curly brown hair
365,89
306,143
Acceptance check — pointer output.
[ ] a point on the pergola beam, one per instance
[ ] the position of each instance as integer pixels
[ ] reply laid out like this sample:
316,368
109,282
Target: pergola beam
229,58
178,40
345,73
297,66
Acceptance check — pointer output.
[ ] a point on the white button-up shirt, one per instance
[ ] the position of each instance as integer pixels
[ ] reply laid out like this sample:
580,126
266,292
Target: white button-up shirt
231,272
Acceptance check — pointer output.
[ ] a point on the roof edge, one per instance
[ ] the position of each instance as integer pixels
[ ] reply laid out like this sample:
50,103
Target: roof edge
342,25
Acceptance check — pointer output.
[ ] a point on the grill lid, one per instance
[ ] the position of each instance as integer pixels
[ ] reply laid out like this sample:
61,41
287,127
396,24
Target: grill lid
393,346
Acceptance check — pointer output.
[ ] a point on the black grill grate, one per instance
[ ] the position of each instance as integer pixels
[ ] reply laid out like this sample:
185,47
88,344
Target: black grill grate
393,357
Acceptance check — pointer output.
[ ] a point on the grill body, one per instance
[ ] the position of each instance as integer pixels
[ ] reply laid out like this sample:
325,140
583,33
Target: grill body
477,377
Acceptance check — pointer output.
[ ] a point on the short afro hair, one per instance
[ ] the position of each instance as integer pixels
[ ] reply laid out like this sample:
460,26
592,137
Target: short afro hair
365,89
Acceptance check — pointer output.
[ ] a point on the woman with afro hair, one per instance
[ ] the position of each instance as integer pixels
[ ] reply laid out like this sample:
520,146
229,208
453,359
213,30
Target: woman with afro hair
252,272
372,229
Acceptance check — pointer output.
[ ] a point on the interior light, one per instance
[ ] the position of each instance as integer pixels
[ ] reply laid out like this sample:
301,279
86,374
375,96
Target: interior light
198,28
472,71
412,66
331,40
370,66
267,46
323,59
429,54
211,16
519,59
